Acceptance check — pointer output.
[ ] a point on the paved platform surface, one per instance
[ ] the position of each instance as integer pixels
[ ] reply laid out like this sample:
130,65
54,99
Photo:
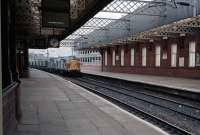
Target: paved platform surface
54,106
170,82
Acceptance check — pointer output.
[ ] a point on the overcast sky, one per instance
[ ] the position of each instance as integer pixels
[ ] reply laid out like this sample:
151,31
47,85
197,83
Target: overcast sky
53,52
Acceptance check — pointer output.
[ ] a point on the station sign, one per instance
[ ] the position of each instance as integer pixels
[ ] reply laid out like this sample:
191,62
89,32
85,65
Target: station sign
55,13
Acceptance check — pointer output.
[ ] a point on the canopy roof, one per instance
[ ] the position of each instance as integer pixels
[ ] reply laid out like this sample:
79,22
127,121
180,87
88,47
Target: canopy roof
41,18
114,11
118,11
189,26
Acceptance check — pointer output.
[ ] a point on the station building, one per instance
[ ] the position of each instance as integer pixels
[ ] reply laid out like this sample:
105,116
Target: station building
151,40
90,59
177,55
153,37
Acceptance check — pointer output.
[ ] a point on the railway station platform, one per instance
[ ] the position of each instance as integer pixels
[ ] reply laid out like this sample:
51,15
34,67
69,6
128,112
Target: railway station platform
52,105
169,82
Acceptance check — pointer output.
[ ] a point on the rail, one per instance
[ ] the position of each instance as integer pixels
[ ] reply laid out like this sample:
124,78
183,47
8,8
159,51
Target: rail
124,97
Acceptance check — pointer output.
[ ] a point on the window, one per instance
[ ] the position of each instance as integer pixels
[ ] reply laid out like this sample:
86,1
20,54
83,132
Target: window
122,57
192,51
113,58
157,57
173,55
197,58
132,57
144,56
106,55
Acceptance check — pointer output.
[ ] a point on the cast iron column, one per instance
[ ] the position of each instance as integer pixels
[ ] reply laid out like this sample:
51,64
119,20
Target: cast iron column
25,50
1,105
6,76
12,45
102,58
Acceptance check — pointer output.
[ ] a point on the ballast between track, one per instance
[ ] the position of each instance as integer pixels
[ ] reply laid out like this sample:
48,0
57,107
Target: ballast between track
172,129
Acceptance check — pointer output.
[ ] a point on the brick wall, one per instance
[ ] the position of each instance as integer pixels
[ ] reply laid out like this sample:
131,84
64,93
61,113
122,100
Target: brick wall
90,67
165,68
9,110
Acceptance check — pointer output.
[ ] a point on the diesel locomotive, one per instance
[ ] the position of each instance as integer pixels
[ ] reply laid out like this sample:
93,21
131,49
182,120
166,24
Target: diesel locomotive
61,65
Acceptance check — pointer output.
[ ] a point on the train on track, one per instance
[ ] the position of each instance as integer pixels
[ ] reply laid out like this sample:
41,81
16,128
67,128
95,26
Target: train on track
61,65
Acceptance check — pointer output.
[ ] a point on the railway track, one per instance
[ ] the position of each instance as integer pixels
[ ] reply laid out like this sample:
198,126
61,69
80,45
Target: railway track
174,116
168,102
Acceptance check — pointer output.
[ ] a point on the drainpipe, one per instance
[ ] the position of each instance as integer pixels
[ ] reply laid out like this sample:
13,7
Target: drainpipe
195,8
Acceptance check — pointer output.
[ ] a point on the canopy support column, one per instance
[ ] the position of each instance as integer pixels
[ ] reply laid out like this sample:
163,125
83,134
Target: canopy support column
1,92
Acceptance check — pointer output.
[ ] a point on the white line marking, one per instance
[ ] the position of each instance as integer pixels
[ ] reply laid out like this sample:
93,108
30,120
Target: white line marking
126,112
117,107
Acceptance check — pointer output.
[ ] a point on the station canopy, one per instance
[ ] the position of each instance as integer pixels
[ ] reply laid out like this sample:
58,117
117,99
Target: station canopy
118,10
37,20
189,26
114,11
